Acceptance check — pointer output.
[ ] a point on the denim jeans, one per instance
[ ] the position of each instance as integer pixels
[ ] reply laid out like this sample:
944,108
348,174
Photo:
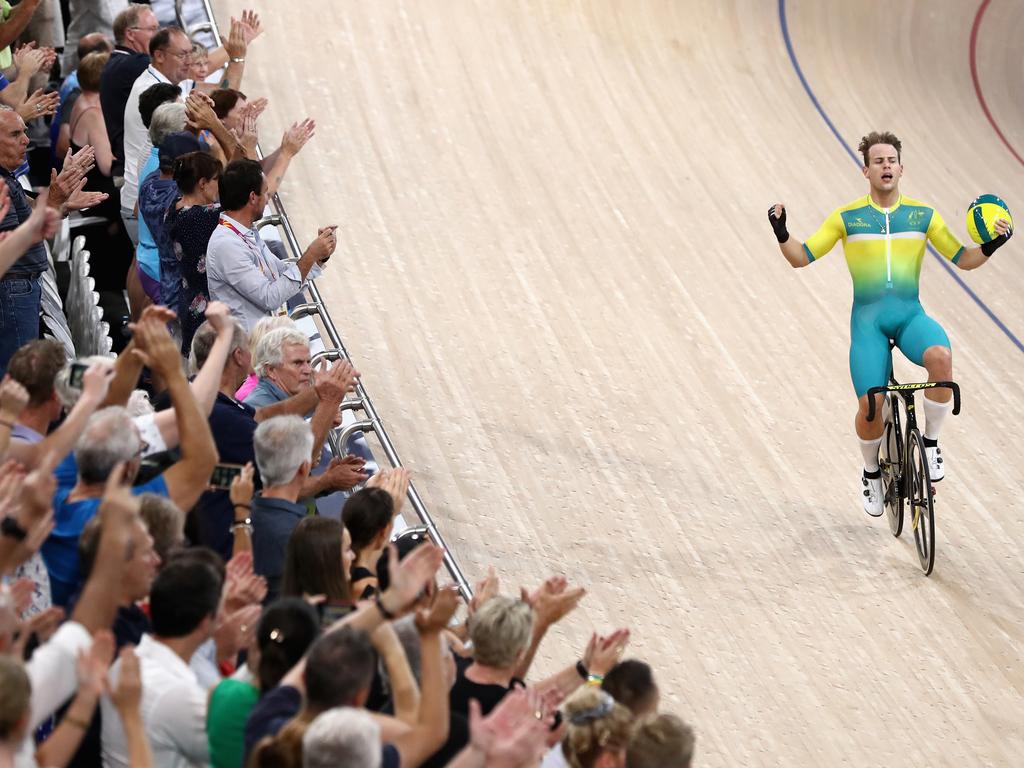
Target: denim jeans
19,316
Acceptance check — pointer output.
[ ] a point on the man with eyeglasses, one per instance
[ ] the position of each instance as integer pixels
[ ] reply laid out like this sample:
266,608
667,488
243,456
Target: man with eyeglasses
134,27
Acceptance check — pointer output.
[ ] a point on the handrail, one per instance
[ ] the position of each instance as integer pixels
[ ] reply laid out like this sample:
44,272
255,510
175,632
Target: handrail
316,306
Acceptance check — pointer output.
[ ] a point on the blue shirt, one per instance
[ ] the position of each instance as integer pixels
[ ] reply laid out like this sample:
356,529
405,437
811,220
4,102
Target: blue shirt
265,393
147,254
60,550
273,521
156,251
33,262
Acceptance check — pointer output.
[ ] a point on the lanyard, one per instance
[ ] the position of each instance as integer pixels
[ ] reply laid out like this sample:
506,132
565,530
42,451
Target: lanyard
257,253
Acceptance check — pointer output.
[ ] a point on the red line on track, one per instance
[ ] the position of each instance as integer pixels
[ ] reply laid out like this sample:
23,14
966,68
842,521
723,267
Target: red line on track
977,81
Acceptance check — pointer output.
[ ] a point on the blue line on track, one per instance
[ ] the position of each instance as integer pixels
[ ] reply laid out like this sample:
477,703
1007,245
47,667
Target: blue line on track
853,156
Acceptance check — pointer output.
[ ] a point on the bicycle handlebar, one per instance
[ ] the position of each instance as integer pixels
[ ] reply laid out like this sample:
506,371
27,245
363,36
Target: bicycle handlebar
905,387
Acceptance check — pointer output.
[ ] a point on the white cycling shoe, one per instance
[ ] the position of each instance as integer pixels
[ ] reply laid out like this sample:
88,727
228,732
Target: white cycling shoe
936,467
874,502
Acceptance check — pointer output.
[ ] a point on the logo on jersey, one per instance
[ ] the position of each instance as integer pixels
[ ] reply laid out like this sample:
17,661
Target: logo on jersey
916,218
857,223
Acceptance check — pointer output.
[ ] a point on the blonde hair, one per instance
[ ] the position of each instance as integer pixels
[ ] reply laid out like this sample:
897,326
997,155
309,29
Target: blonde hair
596,723
500,630
267,324
660,741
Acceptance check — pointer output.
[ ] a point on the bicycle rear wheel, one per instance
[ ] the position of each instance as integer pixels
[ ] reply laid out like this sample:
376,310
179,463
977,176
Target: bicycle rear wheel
890,460
920,501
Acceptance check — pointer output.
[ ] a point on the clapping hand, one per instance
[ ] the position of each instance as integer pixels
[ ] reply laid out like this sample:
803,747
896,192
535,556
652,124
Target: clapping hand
395,482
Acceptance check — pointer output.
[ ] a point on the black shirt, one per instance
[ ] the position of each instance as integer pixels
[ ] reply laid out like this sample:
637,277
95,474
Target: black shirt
487,694
116,81
233,425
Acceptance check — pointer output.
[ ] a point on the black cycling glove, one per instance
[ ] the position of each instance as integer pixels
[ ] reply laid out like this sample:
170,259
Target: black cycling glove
993,245
778,224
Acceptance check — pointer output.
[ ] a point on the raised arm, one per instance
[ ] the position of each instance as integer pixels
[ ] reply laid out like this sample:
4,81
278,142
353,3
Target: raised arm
791,248
15,24
551,602
292,142
62,440
405,694
251,27
187,478
418,743
41,225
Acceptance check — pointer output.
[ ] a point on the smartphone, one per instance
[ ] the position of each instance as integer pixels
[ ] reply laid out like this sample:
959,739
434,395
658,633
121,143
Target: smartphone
223,474
76,377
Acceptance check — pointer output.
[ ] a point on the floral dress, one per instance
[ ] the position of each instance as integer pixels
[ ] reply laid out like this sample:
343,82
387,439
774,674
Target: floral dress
190,228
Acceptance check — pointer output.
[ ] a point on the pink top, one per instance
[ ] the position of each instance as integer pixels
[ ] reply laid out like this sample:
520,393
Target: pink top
247,386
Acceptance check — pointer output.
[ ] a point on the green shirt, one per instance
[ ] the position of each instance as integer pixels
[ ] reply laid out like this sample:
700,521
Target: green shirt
230,704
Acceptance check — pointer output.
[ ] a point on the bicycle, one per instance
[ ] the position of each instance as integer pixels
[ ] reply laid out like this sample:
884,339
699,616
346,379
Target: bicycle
906,482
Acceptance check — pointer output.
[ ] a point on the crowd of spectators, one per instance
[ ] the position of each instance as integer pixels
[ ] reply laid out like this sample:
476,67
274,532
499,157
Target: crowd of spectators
190,575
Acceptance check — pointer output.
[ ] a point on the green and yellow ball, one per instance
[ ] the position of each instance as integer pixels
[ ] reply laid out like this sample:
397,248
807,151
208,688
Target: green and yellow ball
982,215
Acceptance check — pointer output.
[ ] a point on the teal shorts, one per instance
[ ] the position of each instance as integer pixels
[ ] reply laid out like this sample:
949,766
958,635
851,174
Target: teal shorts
874,325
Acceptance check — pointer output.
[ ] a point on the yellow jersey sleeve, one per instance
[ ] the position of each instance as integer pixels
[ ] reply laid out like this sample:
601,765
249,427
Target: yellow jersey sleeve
945,242
828,234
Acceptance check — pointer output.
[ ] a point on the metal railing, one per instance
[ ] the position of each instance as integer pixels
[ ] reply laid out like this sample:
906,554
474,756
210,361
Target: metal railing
335,350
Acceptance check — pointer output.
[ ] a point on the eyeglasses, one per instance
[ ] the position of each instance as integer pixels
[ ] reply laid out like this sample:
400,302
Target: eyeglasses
179,55
143,449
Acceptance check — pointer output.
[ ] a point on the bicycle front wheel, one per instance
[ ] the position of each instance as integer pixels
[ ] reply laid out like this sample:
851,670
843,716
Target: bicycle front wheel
920,504
890,460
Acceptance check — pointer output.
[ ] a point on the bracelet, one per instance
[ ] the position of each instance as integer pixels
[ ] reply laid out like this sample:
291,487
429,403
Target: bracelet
72,720
593,679
238,59
243,526
244,521
581,669
383,611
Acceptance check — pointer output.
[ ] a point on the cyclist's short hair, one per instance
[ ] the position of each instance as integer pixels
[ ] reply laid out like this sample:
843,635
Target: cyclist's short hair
878,137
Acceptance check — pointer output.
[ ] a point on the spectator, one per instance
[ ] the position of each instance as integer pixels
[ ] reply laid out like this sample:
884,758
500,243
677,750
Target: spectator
70,90
598,730
631,683
170,50
369,516
156,194
190,222
241,270
263,326
286,630
20,294
88,20
183,608
233,425
133,28
343,737
14,711
283,448
199,63
112,438
29,60
660,741
87,128
165,522
317,562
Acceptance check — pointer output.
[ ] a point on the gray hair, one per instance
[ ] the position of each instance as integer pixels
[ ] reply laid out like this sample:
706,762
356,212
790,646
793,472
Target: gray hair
67,394
167,119
205,336
269,350
282,444
344,737
109,437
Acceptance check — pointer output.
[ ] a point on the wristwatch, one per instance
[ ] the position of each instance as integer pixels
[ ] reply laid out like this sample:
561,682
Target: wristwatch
9,527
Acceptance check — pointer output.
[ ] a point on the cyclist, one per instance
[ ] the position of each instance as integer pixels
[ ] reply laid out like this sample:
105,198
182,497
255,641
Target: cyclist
884,236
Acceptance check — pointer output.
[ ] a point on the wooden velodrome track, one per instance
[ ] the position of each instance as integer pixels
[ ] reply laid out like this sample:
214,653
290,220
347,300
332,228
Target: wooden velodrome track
557,279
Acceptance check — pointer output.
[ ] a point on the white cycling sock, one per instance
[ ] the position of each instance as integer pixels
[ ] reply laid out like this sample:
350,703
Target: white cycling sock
870,450
934,414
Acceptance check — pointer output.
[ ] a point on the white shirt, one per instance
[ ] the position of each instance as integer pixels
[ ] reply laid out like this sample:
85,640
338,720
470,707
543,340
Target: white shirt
242,272
173,709
53,672
137,145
